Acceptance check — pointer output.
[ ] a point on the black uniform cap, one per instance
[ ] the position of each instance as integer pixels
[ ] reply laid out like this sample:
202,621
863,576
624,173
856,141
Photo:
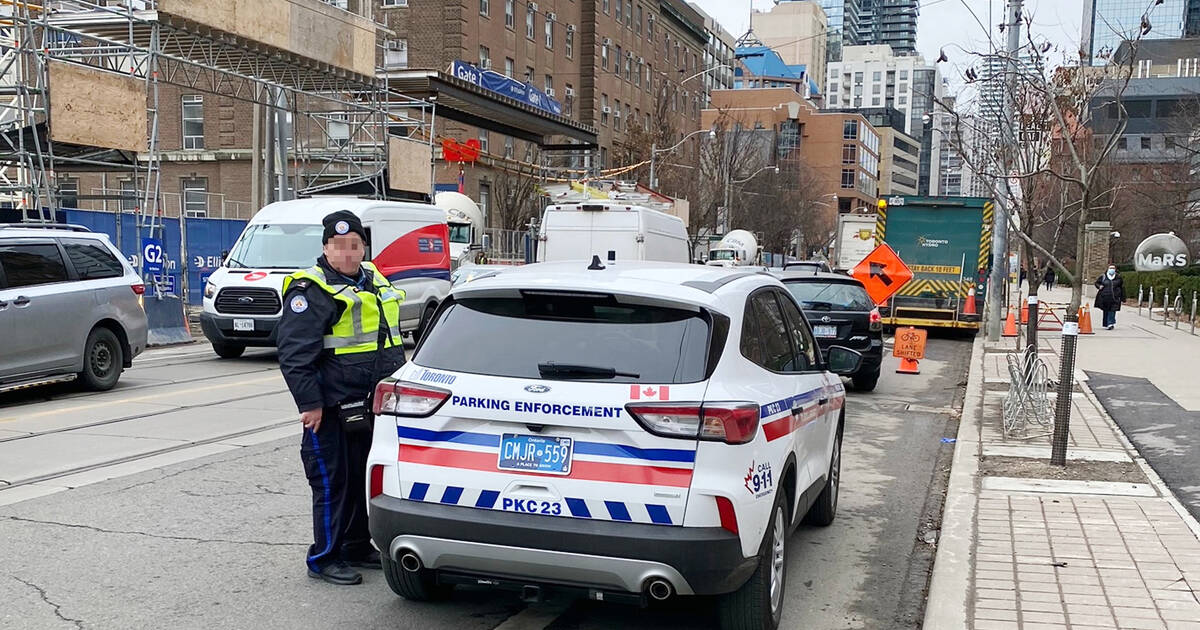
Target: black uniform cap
342,222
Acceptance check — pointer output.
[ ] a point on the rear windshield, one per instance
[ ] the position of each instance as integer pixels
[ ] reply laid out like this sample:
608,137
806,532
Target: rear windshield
512,336
831,295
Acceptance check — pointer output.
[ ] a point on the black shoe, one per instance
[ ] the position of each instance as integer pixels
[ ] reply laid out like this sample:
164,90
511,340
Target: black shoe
337,573
369,560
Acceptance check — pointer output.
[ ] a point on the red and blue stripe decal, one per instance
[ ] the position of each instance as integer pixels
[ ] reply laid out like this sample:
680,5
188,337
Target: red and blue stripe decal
792,422
656,514
422,253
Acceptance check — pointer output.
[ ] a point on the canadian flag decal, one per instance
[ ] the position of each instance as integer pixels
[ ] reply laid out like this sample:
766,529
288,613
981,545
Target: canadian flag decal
647,392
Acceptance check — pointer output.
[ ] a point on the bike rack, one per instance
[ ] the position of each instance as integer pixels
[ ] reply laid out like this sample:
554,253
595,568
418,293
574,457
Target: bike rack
1028,399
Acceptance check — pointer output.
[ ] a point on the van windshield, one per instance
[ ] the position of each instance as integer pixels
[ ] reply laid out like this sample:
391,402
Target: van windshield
277,246
460,232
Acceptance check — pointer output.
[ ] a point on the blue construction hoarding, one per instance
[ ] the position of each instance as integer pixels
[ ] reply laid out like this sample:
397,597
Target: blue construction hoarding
191,249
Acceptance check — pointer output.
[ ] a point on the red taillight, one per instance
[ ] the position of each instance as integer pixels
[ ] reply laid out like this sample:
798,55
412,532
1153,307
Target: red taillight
876,322
399,398
376,487
728,516
732,423
139,288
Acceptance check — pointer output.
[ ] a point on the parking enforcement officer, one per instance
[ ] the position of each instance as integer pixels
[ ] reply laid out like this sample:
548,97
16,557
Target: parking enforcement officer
339,334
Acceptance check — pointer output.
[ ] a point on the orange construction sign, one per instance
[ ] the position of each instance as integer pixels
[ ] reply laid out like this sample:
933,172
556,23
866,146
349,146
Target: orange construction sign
882,273
909,343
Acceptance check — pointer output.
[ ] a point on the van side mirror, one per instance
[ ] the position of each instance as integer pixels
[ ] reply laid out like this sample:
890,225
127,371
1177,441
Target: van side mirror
843,361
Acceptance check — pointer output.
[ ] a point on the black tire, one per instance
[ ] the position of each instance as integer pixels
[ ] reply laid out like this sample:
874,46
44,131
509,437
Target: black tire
426,318
103,360
865,382
228,350
419,586
824,509
758,604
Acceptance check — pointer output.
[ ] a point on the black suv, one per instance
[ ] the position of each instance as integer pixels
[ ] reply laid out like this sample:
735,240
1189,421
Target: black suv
841,314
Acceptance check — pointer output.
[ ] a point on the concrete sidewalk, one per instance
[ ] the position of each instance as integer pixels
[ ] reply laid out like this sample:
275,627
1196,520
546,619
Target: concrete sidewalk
1101,544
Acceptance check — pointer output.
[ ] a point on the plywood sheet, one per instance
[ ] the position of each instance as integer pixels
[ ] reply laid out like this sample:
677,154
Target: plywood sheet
409,165
308,28
96,108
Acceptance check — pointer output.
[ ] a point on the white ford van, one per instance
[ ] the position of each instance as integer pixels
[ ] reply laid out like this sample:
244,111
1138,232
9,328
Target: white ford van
596,228
408,242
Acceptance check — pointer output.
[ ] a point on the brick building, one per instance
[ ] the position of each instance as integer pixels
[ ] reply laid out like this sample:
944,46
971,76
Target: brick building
609,62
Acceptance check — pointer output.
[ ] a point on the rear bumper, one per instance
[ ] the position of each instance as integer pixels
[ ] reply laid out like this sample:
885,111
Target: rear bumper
560,551
219,329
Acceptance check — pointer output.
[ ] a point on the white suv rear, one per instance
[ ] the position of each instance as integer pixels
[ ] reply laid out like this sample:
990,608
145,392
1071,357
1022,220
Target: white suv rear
637,432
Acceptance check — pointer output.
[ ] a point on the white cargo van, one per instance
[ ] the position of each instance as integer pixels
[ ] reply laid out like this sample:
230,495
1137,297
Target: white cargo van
408,242
596,228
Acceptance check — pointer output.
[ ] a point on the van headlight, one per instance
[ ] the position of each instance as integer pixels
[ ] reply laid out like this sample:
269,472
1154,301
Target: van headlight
209,290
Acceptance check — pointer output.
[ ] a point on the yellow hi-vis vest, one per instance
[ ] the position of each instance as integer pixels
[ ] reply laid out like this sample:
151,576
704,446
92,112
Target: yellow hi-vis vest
357,330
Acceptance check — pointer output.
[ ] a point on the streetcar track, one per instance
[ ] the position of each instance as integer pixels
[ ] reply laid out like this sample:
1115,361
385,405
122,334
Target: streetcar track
133,458
139,416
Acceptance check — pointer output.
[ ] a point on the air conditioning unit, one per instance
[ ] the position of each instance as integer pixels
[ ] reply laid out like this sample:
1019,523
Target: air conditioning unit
553,17
606,110
550,92
607,42
570,28
628,54
570,93
640,60
485,64
533,6
617,114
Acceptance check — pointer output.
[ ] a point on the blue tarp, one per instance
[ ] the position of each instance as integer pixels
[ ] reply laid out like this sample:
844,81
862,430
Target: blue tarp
193,257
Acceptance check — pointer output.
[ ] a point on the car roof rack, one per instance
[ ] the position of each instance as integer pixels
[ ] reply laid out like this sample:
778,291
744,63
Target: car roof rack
45,226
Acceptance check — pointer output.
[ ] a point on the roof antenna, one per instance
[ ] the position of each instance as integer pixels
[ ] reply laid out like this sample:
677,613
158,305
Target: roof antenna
596,265
612,257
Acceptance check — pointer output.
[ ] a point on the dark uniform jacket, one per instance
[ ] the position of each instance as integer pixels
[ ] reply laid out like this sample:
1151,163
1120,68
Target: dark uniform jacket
317,377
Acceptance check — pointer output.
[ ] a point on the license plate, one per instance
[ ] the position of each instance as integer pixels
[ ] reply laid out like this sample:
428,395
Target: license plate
535,453
243,325
825,331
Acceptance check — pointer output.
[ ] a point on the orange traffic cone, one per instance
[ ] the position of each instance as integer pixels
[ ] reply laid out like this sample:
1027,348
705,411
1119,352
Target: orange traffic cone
908,366
1085,321
969,307
1025,312
1010,326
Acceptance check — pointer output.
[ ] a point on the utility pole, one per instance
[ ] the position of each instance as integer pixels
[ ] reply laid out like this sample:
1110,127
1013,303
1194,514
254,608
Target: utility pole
999,277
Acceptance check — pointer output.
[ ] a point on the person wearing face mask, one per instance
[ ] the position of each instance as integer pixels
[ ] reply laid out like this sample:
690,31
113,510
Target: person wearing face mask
1110,295
338,335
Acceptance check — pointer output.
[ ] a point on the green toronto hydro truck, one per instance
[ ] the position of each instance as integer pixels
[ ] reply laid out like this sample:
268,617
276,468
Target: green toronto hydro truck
947,243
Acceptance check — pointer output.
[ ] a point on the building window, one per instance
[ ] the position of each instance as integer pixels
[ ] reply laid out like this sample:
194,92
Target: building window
129,196
629,13
638,21
858,77
849,153
569,42
604,109
637,76
1145,143
875,101
628,67
396,54
604,57
904,75
68,192
193,121
847,178
508,13
485,7
195,196
549,34
529,74
338,130
850,130
604,6
529,21
549,85
395,3
483,141
617,65
510,67
1122,143
617,114
485,199
620,6
485,57
508,147
1169,142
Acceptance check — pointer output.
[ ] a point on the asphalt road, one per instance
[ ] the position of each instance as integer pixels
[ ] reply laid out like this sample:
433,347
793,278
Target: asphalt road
1165,433
177,500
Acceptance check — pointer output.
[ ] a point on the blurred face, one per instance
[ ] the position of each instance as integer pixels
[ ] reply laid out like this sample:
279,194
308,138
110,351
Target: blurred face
345,252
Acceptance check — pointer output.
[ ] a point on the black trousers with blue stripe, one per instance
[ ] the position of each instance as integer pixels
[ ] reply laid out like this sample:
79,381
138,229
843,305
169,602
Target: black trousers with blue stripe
335,463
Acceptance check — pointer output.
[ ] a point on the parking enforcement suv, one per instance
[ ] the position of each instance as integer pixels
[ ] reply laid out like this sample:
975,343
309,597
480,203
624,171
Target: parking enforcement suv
636,431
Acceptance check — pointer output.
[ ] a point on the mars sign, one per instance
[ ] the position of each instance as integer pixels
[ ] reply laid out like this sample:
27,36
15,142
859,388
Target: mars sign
1160,252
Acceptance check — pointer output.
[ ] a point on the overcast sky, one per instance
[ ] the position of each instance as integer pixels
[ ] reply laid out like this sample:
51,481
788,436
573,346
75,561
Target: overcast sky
946,23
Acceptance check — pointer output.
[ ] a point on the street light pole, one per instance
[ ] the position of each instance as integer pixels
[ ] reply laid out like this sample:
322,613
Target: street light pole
654,151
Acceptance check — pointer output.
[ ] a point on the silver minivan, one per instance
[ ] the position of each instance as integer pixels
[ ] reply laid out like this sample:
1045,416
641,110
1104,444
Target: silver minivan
70,306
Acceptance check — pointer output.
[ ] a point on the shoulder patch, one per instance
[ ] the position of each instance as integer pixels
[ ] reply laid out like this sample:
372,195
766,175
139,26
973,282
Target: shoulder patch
299,304
302,283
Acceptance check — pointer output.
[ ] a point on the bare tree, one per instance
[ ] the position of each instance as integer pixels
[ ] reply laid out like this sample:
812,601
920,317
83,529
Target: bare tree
516,191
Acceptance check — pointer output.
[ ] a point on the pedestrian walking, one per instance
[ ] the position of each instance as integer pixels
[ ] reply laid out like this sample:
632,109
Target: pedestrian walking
1049,276
1110,295
339,334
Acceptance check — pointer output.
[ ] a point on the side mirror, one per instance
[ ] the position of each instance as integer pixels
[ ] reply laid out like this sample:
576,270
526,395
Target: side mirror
843,361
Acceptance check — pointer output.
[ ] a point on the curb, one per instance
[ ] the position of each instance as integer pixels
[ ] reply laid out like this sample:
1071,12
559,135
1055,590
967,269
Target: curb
950,586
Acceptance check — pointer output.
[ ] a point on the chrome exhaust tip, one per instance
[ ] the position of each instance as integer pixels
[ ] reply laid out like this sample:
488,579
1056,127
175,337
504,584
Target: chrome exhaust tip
410,562
660,589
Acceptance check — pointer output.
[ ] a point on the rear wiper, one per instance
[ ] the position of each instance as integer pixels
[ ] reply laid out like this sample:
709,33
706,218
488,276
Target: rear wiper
570,370
823,305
